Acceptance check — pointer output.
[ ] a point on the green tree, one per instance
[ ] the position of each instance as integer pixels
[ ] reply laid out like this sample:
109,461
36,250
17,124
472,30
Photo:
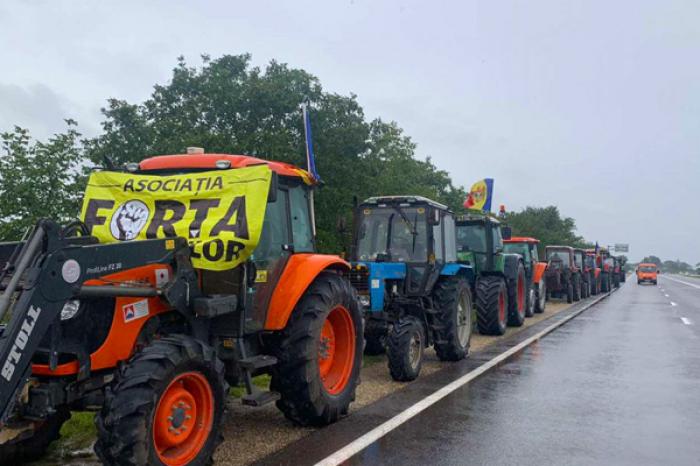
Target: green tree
652,260
230,107
38,179
547,225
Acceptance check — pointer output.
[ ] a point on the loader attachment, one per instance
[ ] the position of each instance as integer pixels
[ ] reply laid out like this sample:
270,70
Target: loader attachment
47,270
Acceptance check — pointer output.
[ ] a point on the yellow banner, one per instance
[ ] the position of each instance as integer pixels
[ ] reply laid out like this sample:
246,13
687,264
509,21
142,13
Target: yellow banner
219,212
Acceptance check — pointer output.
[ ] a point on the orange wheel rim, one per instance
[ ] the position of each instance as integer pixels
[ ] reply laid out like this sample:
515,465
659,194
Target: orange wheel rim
183,419
336,350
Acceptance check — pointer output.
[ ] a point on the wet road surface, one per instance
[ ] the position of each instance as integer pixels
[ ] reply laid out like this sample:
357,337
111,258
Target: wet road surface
619,384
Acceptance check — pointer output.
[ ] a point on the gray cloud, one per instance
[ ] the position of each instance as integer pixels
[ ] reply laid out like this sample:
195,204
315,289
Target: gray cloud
593,106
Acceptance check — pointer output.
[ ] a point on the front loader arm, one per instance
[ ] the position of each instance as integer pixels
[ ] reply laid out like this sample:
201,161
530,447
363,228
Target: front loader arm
57,271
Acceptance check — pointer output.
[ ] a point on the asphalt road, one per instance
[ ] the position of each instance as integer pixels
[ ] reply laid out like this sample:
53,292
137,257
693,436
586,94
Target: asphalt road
619,384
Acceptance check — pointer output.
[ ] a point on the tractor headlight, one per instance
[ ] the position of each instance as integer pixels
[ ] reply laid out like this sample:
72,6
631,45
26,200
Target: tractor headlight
70,309
364,300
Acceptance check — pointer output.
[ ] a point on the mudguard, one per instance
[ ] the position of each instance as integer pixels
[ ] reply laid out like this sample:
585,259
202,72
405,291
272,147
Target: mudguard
540,267
301,270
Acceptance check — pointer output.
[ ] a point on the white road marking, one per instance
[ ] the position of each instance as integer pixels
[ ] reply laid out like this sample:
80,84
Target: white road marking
673,304
687,321
380,431
681,281
666,295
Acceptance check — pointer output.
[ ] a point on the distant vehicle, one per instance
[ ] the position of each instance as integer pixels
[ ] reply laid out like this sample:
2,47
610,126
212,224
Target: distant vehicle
647,272
585,282
562,276
534,269
593,271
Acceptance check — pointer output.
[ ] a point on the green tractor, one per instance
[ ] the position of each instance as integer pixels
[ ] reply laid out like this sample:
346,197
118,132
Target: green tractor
500,282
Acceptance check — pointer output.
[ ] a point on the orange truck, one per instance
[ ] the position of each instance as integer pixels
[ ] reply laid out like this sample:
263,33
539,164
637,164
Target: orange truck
534,270
647,272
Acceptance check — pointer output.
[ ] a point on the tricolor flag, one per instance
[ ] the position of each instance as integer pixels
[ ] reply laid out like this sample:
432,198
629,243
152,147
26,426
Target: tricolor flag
310,160
480,195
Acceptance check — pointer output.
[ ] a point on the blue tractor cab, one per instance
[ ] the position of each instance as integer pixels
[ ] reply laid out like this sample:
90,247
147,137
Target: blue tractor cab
414,292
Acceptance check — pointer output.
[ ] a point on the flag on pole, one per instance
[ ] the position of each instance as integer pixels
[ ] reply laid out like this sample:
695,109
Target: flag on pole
480,195
310,159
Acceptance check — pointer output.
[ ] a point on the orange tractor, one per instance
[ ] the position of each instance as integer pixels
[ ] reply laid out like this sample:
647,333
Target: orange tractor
219,287
534,270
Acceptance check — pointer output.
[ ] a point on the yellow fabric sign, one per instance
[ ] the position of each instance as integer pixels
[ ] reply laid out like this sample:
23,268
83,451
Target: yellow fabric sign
219,212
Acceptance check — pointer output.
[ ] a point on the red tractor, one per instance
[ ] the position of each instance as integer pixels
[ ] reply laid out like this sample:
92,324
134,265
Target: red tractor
563,277
580,261
138,332
534,270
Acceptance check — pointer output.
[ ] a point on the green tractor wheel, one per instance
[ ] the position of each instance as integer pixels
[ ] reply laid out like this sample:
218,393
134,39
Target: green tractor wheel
491,305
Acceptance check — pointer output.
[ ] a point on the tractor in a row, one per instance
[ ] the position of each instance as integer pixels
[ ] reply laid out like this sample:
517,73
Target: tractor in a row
414,292
534,270
500,284
144,334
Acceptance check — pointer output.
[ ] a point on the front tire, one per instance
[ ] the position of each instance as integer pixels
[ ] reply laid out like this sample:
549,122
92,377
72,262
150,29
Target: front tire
320,353
165,407
517,298
570,292
453,322
541,297
491,305
405,345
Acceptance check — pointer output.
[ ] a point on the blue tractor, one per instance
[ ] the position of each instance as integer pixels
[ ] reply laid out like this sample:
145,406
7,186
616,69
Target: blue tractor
413,290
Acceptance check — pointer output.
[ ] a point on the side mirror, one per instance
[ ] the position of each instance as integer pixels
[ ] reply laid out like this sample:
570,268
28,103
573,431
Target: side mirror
506,232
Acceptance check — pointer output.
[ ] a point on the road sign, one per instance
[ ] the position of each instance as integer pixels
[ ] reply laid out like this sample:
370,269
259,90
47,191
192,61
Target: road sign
621,247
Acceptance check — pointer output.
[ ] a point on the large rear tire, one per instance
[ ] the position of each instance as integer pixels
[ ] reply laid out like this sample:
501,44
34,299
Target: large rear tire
165,407
491,305
453,321
577,287
570,292
405,345
541,296
320,353
33,448
517,297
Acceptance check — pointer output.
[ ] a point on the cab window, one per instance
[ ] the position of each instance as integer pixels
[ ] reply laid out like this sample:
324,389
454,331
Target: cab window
302,232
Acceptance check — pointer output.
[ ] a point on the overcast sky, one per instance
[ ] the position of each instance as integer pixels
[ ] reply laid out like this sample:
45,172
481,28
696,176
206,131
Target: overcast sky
593,106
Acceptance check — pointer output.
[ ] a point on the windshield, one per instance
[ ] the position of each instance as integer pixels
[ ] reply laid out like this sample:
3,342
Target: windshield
517,248
590,261
558,255
407,227
472,237
647,268
578,259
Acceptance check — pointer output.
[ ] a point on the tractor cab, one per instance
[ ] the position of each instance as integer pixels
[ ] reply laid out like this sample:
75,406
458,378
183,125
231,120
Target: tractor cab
402,244
480,242
415,294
